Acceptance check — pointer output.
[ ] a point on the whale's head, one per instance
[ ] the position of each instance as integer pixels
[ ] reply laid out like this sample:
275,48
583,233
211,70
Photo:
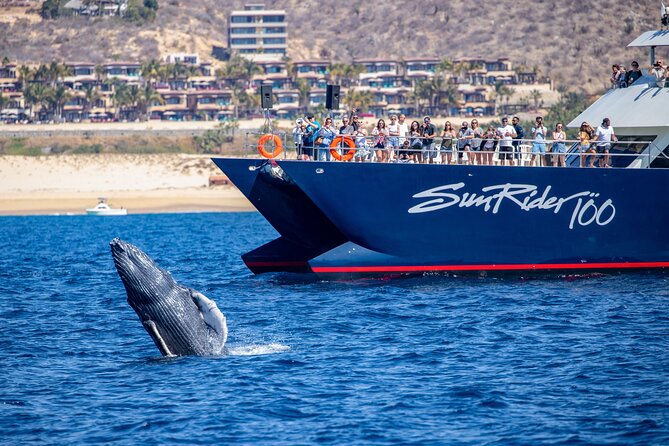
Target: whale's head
180,320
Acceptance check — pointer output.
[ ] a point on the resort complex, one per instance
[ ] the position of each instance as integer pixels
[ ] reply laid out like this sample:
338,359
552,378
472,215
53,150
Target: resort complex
179,86
182,87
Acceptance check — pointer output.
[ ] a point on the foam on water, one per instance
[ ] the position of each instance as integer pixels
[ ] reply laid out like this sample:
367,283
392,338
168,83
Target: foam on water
255,350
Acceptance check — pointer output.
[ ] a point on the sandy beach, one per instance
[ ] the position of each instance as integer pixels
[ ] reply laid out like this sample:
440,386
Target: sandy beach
63,184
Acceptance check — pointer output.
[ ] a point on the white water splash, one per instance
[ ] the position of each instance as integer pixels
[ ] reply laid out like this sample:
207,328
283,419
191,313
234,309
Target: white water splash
255,350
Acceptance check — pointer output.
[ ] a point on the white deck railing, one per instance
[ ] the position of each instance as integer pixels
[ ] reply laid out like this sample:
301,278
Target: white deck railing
545,152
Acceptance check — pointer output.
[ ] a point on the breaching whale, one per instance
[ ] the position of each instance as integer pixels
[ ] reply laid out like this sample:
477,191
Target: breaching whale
180,320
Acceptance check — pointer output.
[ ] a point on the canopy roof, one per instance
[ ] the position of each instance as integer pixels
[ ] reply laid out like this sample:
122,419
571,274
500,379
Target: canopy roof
642,104
659,37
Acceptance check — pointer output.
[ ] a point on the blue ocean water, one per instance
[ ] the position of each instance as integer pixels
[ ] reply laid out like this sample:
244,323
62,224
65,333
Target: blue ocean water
427,360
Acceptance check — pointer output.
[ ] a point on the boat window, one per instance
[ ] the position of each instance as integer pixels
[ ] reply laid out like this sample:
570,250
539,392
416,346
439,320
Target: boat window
662,160
626,146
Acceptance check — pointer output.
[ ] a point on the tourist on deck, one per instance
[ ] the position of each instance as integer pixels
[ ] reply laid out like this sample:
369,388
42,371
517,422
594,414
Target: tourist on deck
404,155
660,72
362,152
490,140
465,135
633,74
506,133
615,74
448,135
622,77
310,133
539,133
605,135
520,134
559,148
476,142
393,137
328,133
415,136
429,131
298,133
585,135
356,122
344,128
321,149
380,140
403,126
348,127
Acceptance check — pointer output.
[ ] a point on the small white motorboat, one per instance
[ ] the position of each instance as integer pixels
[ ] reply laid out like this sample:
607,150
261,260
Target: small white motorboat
103,209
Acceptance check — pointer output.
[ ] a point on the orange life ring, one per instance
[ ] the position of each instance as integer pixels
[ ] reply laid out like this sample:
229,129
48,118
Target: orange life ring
335,144
277,142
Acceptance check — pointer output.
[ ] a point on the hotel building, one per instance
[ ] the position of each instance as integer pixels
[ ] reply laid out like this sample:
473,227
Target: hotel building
257,31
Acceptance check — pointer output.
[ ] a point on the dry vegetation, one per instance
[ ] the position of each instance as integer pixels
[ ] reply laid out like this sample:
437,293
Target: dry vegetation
94,144
574,42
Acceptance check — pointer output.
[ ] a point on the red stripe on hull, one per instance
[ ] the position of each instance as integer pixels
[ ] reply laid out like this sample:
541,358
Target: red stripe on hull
511,267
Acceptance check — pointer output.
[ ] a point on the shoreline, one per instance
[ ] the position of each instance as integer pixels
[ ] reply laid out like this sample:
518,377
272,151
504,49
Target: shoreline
216,199
69,184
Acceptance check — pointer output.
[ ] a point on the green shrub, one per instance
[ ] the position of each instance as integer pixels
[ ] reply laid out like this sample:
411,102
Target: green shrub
88,149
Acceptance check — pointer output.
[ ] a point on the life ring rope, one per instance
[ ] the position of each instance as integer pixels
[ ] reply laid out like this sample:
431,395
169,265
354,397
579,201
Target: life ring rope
337,143
277,143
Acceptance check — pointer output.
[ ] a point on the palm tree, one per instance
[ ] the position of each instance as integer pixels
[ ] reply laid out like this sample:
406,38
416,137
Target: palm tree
251,101
352,75
91,94
249,69
303,89
25,76
241,69
120,97
290,67
502,92
99,72
358,99
41,73
134,98
150,70
37,95
422,90
148,97
535,96
445,66
237,97
461,68
415,96
336,72
58,98
52,72
164,72
508,92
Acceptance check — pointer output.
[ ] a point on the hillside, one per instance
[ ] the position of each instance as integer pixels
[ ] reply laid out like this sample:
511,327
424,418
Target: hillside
574,42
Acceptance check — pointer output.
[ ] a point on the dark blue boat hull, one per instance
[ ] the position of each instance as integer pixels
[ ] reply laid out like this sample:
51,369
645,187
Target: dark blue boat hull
305,232
408,218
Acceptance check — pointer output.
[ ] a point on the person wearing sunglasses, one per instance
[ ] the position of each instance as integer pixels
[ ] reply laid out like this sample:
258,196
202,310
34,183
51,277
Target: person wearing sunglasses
633,74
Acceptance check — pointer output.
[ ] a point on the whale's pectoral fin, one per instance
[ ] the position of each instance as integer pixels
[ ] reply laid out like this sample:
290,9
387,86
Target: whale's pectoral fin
157,338
210,313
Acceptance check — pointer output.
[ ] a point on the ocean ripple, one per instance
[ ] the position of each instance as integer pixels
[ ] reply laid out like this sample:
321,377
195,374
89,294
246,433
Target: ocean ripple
421,360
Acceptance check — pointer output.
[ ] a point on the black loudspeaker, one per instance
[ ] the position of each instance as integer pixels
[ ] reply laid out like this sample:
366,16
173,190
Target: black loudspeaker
332,97
266,96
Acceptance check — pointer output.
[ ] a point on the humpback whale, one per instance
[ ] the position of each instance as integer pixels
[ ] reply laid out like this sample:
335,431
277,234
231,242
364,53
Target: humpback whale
180,320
